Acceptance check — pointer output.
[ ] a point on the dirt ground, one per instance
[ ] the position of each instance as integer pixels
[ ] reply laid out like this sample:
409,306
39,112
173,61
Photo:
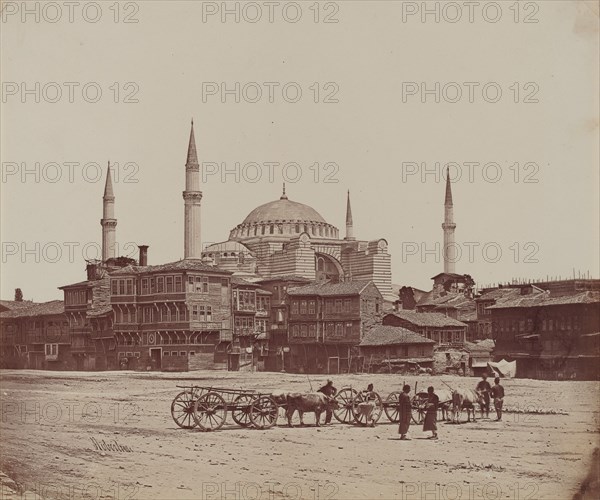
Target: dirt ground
53,421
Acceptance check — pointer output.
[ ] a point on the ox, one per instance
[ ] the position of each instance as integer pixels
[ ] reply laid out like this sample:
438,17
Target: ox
465,399
311,402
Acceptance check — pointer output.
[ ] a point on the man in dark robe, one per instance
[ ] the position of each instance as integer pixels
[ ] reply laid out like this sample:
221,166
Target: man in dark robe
431,409
405,411
330,391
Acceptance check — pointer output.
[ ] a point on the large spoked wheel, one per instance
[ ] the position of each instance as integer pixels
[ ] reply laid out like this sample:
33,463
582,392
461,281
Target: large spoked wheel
182,410
392,407
418,408
210,412
361,401
264,412
241,410
345,399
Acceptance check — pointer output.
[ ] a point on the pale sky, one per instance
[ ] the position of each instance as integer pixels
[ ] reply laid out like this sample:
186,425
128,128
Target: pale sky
372,133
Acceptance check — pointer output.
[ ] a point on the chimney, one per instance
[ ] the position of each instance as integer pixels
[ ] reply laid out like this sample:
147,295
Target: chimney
143,260
91,270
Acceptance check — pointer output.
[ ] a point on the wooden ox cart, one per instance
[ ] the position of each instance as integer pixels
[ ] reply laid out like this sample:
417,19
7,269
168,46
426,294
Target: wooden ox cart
206,408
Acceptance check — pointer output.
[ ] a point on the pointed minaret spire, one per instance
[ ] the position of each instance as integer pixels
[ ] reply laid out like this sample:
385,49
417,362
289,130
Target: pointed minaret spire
108,188
192,156
448,200
192,197
283,195
108,221
449,226
349,224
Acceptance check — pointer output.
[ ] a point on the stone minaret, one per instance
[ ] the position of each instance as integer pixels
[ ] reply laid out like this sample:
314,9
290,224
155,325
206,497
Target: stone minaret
108,221
448,226
349,226
192,197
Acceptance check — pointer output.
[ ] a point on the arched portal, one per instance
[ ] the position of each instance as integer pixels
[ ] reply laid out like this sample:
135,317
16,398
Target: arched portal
327,268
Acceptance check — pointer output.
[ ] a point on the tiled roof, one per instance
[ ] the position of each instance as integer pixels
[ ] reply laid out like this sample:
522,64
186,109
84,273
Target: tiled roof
455,300
36,309
180,265
486,345
236,280
287,277
545,300
326,288
427,318
499,294
15,304
392,335
81,283
450,275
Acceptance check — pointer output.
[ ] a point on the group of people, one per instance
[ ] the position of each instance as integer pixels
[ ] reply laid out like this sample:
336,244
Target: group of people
487,392
431,405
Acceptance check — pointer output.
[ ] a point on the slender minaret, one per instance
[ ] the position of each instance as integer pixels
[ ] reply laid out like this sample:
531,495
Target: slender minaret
192,197
108,221
448,226
349,226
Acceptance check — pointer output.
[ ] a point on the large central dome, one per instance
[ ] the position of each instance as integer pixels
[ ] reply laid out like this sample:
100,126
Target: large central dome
283,219
283,210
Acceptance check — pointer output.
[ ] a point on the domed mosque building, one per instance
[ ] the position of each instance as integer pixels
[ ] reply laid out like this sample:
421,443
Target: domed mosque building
287,238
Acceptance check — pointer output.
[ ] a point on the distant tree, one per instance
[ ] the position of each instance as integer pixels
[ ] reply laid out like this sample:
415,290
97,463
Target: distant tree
407,297
121,261
18,295
469,284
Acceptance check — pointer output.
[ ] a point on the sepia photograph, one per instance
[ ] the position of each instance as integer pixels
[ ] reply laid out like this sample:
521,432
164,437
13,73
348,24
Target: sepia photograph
300,250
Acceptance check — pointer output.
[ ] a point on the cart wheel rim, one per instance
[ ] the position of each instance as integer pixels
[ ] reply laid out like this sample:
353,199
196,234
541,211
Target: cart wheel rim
182,410
210,412
241,413
345,399
264,412
391,407
360,417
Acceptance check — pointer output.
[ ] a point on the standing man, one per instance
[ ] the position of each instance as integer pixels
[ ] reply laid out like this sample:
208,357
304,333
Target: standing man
498,395
330,392
431,409
405,411
484,388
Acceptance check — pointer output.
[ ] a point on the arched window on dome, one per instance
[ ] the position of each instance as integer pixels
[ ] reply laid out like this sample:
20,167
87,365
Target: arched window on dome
305,228
326,231
312,229
262,230
255,230
271,229
297,228
320,230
